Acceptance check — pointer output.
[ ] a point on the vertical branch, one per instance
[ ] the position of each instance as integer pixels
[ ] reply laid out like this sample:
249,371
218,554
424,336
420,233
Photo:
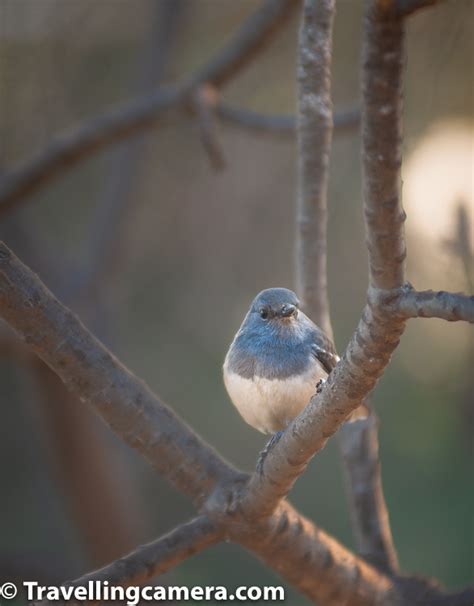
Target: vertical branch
358,440
107,243
383,60
360,451
314,124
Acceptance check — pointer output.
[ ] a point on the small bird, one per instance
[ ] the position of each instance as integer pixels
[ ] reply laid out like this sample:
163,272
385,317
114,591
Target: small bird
276,361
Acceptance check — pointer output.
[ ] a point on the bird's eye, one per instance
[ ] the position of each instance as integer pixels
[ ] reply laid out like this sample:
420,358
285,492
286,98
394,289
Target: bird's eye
263,313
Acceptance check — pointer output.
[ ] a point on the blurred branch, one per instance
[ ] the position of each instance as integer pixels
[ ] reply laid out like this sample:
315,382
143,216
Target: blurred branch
67,150
405,8
205,103
103,505
281,124
252,37
428,304
106,246
369,514
96,377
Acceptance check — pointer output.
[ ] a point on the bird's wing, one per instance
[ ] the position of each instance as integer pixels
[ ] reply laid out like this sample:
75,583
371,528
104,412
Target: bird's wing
323,350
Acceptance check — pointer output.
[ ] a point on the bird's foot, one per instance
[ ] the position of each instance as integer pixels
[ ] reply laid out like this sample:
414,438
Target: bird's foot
263,455
319,385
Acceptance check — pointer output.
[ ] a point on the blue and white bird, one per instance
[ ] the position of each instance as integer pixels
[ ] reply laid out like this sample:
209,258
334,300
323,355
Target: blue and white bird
276,361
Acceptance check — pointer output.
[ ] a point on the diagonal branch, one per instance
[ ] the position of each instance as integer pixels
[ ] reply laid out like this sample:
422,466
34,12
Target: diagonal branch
92,373
445,305
155,558
67,150
140,419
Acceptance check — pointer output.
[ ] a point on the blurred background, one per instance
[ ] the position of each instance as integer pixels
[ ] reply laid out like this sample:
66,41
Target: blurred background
160,254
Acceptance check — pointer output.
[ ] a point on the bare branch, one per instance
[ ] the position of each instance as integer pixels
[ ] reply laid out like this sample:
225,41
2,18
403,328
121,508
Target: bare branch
405,8
105,245
360,450
345,121
66,150
379,331
314,142
316,563
429,304
383,61
251,38
155,558
92,373
98,491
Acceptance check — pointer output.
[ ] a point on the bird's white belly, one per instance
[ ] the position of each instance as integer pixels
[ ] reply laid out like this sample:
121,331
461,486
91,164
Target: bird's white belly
270,404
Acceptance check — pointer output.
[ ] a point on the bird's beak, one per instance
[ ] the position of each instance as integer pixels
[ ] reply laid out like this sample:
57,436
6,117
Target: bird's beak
288,311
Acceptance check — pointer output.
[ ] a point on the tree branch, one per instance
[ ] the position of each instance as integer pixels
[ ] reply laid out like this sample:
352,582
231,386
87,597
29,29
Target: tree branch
66,150
281,124
315,563
378,333
369,514
314,143
92,373
370,523
383,61
428,304
251,38
105,245
155,558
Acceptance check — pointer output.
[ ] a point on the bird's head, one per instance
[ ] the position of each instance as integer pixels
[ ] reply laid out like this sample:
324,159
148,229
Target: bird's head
277,306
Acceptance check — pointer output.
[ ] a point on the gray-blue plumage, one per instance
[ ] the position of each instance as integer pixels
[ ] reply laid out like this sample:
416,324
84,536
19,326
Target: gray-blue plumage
275,360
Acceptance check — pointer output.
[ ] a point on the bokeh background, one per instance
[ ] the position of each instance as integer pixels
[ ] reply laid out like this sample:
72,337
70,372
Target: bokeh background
193,248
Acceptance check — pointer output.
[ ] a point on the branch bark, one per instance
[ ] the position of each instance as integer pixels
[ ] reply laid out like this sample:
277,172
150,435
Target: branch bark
155,558
360,450
379,331
452,307
92,373
314,143
370,522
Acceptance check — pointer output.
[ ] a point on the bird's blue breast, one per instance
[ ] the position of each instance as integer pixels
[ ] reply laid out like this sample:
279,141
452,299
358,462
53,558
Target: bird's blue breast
269,354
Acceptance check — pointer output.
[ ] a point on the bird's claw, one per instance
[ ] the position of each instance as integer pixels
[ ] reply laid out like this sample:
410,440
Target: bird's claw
319,385
263,455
